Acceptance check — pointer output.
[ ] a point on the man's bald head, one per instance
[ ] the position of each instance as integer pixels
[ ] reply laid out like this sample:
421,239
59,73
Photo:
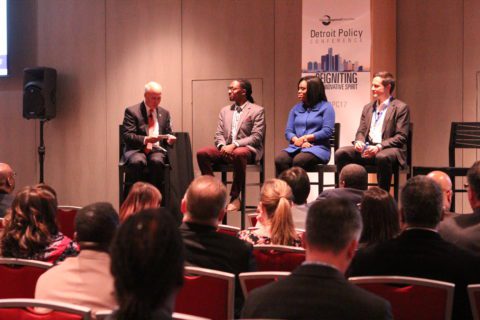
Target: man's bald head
354,176
205,199
7,178
444,182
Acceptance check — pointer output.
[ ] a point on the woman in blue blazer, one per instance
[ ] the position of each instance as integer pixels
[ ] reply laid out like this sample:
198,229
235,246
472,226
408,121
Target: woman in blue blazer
309,127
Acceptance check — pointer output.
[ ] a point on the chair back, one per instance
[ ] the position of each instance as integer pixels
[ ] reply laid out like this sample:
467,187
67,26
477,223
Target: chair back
206,293
103,314
19,277
474,298
23,309
252,280
66,219
278,258
226,229
463,135
411,298
335,138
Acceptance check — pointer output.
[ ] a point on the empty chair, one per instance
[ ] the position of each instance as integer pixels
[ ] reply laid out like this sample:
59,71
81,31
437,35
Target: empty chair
66,219
474,298
278,258
207,293
252,280
23,309
411,298
19,277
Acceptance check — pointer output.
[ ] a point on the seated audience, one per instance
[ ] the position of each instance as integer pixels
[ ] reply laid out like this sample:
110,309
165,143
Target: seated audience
30,228
380,217
298,180
85,280
353,182
318,288
275,223
7,185
419,251
463,230
147,265
204,206
142,195
444,182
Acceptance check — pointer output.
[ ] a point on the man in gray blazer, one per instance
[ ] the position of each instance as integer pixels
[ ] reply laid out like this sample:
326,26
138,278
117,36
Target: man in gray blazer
238,139
381,137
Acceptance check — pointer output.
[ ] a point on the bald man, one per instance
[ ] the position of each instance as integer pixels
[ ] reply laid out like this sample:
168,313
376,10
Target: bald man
7,185
147,133
443,180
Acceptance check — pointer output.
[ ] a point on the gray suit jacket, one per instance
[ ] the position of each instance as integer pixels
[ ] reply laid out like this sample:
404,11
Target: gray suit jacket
462,230
395,127
251,126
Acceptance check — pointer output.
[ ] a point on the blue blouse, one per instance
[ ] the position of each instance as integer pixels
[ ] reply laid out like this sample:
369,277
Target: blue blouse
319,121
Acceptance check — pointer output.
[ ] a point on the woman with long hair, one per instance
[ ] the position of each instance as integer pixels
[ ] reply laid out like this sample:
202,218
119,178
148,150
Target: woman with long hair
380,217
275,223
31,231
142,195
310,125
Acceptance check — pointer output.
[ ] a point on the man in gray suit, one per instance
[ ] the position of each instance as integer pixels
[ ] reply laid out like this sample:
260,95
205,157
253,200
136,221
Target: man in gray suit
463,230
382,135
238,139
7,184
318,288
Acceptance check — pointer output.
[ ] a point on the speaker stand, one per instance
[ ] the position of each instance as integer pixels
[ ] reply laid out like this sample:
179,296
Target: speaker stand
41,149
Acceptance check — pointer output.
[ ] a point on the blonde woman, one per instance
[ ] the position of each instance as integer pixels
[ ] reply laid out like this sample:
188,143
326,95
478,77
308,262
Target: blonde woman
275,223
142,196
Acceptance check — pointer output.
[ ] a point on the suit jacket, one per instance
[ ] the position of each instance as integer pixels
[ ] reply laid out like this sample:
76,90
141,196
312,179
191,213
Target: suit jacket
135,124
355,196
424,254
314,292
395,127
6,200
251,128
84,280
462,230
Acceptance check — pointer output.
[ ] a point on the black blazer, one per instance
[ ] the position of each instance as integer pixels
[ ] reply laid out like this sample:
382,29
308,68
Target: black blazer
395,127
314,292
424,254
353,195
135,128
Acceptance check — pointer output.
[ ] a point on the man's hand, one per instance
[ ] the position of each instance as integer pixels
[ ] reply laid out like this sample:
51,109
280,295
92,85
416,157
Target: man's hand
370,151
151,139
171,139
227,151
359,145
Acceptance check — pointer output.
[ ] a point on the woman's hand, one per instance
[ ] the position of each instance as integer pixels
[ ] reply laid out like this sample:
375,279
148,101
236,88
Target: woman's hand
299,141
306,145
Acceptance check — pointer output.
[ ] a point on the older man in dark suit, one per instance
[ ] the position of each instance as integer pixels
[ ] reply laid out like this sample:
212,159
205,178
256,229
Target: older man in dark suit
238,139
381,137
147,132
419,251
318,289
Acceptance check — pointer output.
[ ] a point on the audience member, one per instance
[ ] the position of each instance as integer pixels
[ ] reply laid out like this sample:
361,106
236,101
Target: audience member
142,196
444,182
318,289
147,265
7,185
204,205
297,179
30,228
275,223
353,183
463,230
380,217
419,251
85,280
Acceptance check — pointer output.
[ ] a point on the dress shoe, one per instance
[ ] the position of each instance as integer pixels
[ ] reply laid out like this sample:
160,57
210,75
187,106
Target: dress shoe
234,205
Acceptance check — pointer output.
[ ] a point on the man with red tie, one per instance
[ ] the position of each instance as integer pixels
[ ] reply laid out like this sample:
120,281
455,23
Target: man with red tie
147,133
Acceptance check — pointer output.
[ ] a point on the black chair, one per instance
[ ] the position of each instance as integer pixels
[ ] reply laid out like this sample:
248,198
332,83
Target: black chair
407,169
320,169
257,167
123,186
463,135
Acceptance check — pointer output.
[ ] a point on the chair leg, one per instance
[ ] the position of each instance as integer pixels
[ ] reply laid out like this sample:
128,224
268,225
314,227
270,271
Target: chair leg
396,183
320,180
243,205
224,181
166,185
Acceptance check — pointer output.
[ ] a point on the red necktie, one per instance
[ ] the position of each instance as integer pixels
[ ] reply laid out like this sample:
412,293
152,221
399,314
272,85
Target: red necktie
151,125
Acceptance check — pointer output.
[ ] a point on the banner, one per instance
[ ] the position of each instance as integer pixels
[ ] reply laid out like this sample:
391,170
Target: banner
336,42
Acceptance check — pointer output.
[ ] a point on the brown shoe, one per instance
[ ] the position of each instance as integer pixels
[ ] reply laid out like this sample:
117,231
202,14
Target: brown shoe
234,205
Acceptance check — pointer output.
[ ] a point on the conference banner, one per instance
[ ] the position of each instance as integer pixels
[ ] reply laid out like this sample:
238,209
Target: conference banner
336,42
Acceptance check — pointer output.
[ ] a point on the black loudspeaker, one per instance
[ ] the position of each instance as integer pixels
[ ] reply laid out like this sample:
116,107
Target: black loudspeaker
39,89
